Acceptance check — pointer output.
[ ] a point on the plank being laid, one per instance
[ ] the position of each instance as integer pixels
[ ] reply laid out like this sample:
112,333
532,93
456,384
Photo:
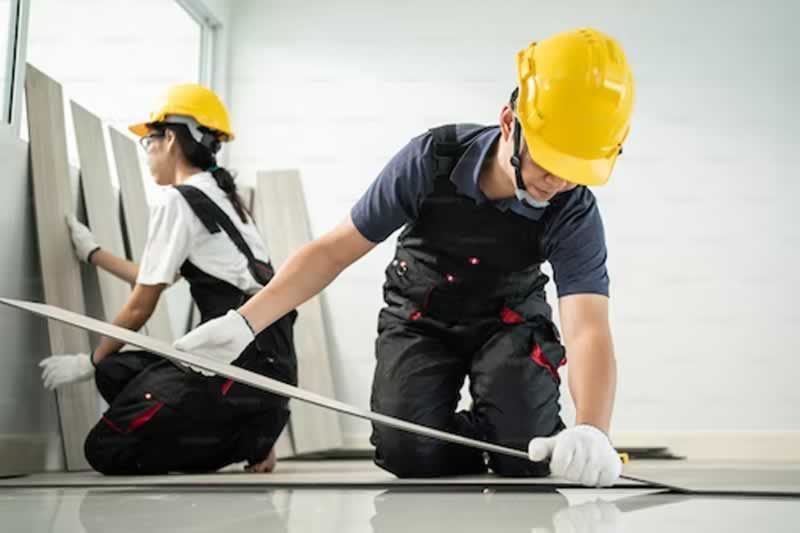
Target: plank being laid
102,204
77,403
246,377
282,217
136,214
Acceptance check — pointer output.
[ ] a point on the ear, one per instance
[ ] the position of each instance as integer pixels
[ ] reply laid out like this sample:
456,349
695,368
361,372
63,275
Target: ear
170,140
506,122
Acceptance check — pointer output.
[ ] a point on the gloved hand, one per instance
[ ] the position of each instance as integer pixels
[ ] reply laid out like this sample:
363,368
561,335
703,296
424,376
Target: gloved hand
222,339
82,239
63,369
582,454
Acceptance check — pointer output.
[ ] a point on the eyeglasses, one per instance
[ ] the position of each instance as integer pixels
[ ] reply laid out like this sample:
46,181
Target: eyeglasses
148,139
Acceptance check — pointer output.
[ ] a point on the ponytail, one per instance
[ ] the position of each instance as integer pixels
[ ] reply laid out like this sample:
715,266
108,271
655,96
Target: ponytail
225,181
205,157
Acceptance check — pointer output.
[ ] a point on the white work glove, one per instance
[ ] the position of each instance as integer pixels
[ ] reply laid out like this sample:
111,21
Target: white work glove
582,454
222,339
60,370
82,239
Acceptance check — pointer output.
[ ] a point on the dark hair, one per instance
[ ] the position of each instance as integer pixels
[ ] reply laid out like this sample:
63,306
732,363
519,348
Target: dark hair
205,157
513,99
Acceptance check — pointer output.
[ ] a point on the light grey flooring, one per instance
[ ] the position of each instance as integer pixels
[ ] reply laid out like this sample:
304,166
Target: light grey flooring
707,477
243,510
354,496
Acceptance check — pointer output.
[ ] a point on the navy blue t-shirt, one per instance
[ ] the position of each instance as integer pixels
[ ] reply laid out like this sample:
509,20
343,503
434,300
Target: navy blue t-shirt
574,241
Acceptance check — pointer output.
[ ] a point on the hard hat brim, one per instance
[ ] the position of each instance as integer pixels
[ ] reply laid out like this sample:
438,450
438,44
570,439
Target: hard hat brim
140,130
568,167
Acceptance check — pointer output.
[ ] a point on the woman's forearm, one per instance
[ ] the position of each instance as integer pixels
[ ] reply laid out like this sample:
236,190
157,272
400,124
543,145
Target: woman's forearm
134,314
117,266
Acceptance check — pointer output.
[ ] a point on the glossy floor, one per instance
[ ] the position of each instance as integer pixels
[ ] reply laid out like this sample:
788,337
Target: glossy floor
245,510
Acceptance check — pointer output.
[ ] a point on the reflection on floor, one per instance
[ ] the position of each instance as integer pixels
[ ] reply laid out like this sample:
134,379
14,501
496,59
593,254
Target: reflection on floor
243,510
354,496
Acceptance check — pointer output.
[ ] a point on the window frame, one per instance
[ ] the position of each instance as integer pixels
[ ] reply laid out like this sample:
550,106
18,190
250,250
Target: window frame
14,66
209,38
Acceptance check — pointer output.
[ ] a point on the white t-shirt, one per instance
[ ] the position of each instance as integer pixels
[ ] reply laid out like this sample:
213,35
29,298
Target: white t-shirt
176,234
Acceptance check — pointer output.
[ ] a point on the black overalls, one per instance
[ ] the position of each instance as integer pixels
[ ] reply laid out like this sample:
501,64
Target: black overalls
465,297
164,417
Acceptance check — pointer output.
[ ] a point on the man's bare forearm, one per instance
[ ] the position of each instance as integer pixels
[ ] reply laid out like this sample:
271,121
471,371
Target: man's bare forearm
593,378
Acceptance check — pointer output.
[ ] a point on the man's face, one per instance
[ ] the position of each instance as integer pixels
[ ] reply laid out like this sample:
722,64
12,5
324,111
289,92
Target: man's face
540,183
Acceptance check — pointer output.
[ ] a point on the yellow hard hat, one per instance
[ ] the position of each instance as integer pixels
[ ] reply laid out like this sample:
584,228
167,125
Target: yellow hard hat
575,101
194,101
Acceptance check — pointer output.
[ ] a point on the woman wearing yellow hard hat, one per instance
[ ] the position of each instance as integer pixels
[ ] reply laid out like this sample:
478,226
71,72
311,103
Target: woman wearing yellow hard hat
163,417
483,208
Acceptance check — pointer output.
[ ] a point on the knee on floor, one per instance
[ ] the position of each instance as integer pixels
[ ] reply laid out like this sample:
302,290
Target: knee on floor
108,454
410,456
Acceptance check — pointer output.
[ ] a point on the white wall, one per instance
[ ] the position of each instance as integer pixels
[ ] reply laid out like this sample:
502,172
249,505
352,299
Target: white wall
699,213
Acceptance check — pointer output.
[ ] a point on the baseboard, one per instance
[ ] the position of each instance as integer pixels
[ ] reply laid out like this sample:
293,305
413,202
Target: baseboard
767,446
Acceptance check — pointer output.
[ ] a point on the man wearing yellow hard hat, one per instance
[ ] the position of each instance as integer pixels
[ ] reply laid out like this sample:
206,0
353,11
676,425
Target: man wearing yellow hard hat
482,209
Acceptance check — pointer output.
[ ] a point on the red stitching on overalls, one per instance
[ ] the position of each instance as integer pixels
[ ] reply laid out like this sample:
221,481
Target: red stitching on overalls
509,316
145,417
538,357
111,425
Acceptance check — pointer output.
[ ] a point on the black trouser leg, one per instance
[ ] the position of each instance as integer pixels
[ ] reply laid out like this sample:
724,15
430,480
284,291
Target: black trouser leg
418,378
168,418
515,397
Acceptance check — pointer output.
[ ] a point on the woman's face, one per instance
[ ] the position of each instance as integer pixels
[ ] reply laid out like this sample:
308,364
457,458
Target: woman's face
159,147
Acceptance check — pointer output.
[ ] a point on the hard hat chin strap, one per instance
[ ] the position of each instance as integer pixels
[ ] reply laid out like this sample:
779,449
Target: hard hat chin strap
521,192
